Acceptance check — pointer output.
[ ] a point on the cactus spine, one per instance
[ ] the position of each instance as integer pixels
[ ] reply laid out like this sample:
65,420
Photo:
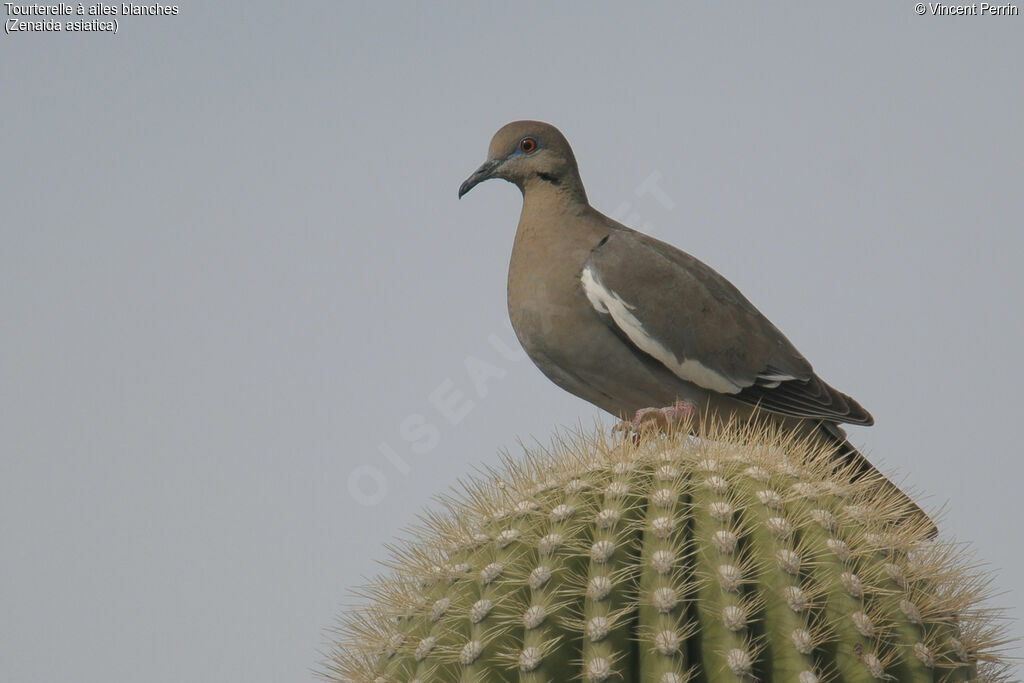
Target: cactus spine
741,556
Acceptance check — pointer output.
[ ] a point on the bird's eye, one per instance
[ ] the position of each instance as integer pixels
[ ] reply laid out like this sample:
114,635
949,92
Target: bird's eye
527,145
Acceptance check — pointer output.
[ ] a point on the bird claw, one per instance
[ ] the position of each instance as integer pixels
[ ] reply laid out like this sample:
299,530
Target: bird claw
659,420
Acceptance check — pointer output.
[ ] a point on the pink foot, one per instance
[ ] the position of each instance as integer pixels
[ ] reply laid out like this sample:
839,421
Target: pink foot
659,419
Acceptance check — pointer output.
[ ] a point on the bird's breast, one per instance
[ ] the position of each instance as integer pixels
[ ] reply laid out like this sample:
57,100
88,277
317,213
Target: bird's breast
540,306
545,295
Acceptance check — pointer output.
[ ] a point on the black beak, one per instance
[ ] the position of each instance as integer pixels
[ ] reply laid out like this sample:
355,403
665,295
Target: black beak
479,175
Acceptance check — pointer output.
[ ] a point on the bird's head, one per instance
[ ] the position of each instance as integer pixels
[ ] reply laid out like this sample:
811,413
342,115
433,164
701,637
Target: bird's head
530,153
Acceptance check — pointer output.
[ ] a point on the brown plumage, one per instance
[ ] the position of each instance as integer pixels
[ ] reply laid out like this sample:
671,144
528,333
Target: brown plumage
628,322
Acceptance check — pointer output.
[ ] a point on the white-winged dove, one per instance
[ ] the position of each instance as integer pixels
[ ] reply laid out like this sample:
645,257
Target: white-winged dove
636,326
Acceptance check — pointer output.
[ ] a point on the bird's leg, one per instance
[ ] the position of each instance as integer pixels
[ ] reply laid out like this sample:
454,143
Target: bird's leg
658,419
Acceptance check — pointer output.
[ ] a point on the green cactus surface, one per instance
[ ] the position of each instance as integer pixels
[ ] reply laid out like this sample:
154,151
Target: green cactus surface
740,556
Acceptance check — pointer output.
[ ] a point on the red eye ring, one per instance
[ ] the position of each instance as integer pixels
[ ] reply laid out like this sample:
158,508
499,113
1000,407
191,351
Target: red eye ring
527,145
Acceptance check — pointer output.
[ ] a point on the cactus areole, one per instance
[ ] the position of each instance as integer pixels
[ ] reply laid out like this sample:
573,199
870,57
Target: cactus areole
740,556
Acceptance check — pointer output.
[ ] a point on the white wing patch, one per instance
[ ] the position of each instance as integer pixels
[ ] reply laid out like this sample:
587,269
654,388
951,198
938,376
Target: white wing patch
606,301
772,378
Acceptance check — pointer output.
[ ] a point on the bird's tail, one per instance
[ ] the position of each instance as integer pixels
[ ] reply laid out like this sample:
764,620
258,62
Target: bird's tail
847,455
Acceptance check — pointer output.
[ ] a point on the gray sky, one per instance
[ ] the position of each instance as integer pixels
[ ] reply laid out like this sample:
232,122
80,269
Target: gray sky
233,266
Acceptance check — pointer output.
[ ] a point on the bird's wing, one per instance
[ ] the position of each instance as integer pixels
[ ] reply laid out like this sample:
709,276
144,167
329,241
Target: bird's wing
693,321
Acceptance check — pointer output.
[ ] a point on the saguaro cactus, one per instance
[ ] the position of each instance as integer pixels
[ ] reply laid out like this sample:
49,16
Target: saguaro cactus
741,556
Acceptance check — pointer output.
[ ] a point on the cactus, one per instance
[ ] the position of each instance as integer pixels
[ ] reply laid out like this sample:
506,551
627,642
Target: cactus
744,555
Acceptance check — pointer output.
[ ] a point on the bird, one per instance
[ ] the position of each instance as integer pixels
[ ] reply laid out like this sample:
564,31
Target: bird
640,328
